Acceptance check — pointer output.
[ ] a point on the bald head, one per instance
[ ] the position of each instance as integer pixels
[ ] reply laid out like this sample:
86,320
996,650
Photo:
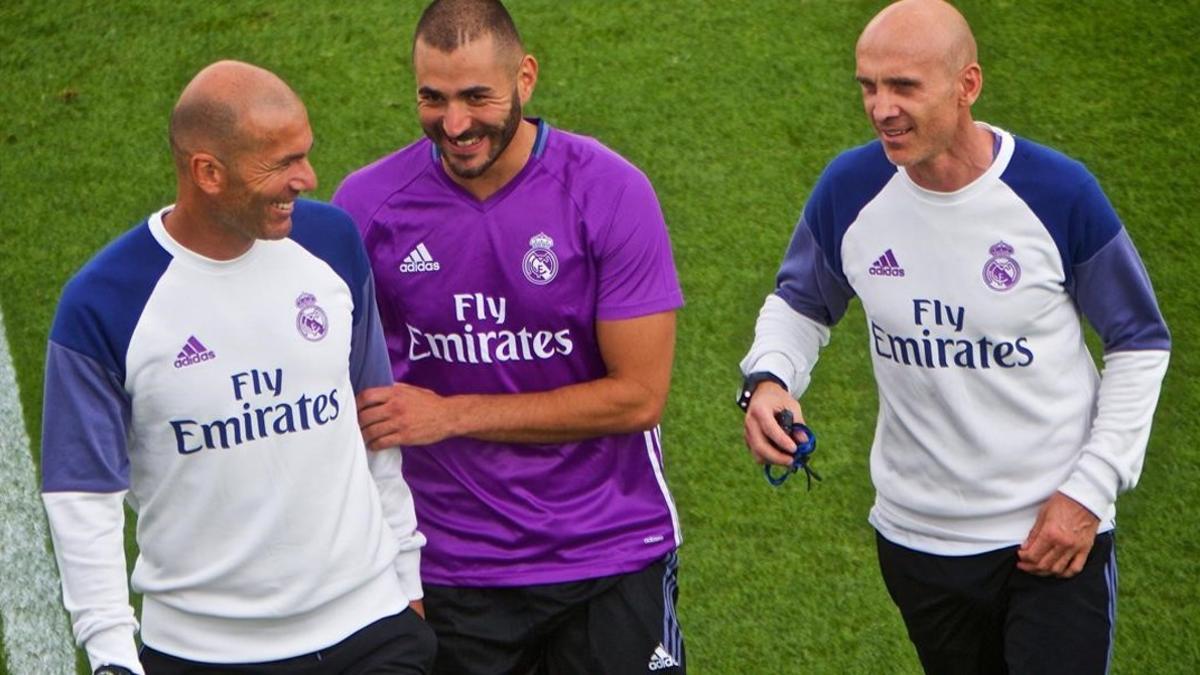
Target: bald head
447,25
921,30
215,111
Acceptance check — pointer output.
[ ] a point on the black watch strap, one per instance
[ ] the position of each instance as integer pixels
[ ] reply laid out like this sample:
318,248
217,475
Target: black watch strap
751,382
109,669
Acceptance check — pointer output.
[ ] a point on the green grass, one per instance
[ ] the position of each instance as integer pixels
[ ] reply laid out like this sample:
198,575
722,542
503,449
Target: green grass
732,109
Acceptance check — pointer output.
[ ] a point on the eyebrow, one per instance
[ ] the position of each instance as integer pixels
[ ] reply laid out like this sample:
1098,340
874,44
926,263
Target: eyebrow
892,81
296,156
469,91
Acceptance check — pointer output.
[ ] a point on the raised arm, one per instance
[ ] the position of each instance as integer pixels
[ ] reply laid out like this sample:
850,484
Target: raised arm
637,354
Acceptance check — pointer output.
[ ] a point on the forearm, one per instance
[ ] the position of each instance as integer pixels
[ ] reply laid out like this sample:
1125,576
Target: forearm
608,405
1111,459
786,344
88,534
397,505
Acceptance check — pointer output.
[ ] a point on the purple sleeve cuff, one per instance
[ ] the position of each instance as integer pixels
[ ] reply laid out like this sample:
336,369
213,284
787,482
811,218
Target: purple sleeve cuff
85,415
806,283
1114,293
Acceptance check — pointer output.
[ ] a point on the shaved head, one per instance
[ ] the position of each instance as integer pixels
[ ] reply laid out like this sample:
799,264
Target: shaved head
922,29
216,108
447,25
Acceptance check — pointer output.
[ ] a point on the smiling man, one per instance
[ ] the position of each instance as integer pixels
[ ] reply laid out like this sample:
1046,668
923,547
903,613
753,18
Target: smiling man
202,369
528,293
999,450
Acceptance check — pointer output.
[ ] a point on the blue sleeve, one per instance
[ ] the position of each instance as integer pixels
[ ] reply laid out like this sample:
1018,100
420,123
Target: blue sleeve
86,409
369,364
1103,273
811,280
328,232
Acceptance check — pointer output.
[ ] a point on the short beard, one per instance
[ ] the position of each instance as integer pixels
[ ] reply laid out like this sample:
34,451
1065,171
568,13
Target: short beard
503,135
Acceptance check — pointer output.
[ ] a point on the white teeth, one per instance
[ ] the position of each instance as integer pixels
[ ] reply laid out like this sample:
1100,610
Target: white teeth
463,142
284,206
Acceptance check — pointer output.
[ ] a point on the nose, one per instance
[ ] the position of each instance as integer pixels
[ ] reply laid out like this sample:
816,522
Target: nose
457,119
305,178
882,107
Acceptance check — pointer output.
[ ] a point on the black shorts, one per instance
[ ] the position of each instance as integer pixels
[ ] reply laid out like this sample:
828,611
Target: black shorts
980,614
619,624
401,643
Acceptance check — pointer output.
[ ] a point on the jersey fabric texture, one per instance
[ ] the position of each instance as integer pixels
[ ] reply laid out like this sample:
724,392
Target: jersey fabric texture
502,296
989,400
217,398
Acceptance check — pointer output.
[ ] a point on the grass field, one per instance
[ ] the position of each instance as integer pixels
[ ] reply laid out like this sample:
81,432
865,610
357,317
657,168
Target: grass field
732,109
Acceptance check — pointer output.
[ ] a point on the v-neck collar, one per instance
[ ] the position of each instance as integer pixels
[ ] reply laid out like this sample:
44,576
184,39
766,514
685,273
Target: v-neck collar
539,147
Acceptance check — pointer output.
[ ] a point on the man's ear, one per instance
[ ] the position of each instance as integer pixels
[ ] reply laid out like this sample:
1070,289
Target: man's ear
527,76
970,82
208,172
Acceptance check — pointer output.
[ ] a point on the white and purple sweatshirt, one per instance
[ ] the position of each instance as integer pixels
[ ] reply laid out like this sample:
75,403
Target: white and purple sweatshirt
216,398
989,400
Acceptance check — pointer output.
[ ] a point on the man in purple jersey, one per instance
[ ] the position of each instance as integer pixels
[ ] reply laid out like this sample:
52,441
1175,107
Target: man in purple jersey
528,292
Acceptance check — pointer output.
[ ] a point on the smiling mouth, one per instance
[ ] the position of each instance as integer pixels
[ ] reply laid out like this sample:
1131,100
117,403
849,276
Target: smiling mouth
894,133
285,207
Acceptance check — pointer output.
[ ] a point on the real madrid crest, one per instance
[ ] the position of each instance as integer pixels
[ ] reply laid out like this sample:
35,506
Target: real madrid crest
311,320
540,265
1001,272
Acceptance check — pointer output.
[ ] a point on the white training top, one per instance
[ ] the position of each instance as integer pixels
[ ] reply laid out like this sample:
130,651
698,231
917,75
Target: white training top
989,400
220,395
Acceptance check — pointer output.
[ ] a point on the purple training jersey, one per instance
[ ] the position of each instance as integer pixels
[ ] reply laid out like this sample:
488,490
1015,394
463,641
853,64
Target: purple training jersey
502,296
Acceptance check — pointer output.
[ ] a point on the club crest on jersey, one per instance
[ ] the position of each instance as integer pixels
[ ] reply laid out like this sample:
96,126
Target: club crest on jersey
311,320
1001,272
540,265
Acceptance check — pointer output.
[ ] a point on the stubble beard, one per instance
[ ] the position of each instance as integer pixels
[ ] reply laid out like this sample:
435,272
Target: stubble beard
501,137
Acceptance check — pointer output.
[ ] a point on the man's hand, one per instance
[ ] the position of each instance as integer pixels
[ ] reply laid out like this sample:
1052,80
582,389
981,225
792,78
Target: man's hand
764,436
403,415
1061,538
418,606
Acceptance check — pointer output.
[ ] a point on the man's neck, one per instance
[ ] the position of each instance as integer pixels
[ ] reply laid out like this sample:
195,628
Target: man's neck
968,157
202,235
507,165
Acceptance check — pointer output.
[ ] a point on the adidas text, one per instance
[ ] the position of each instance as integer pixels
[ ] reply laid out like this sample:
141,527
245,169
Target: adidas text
194,358
661,659
422,266
662,662
886,272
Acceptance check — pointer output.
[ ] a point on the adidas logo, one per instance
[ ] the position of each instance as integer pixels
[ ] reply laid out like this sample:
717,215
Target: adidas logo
193,352
419,260
661,660
886,266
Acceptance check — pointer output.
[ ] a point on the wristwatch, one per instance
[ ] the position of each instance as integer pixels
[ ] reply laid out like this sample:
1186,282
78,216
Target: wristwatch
110,669
751,382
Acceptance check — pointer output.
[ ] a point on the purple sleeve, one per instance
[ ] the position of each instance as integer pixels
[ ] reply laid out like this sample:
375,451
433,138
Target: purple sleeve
806,282
637,271
369,365
86,413
1114,293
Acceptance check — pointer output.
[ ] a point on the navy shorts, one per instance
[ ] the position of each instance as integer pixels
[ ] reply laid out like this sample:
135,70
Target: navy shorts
980,614
619,624
401,644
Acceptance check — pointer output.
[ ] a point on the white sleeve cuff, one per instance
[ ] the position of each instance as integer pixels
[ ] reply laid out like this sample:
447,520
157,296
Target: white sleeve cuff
786,344
89,545
1111,459
114,647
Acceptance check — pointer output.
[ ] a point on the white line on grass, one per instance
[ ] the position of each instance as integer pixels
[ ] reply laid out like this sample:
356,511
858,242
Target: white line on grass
36,638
